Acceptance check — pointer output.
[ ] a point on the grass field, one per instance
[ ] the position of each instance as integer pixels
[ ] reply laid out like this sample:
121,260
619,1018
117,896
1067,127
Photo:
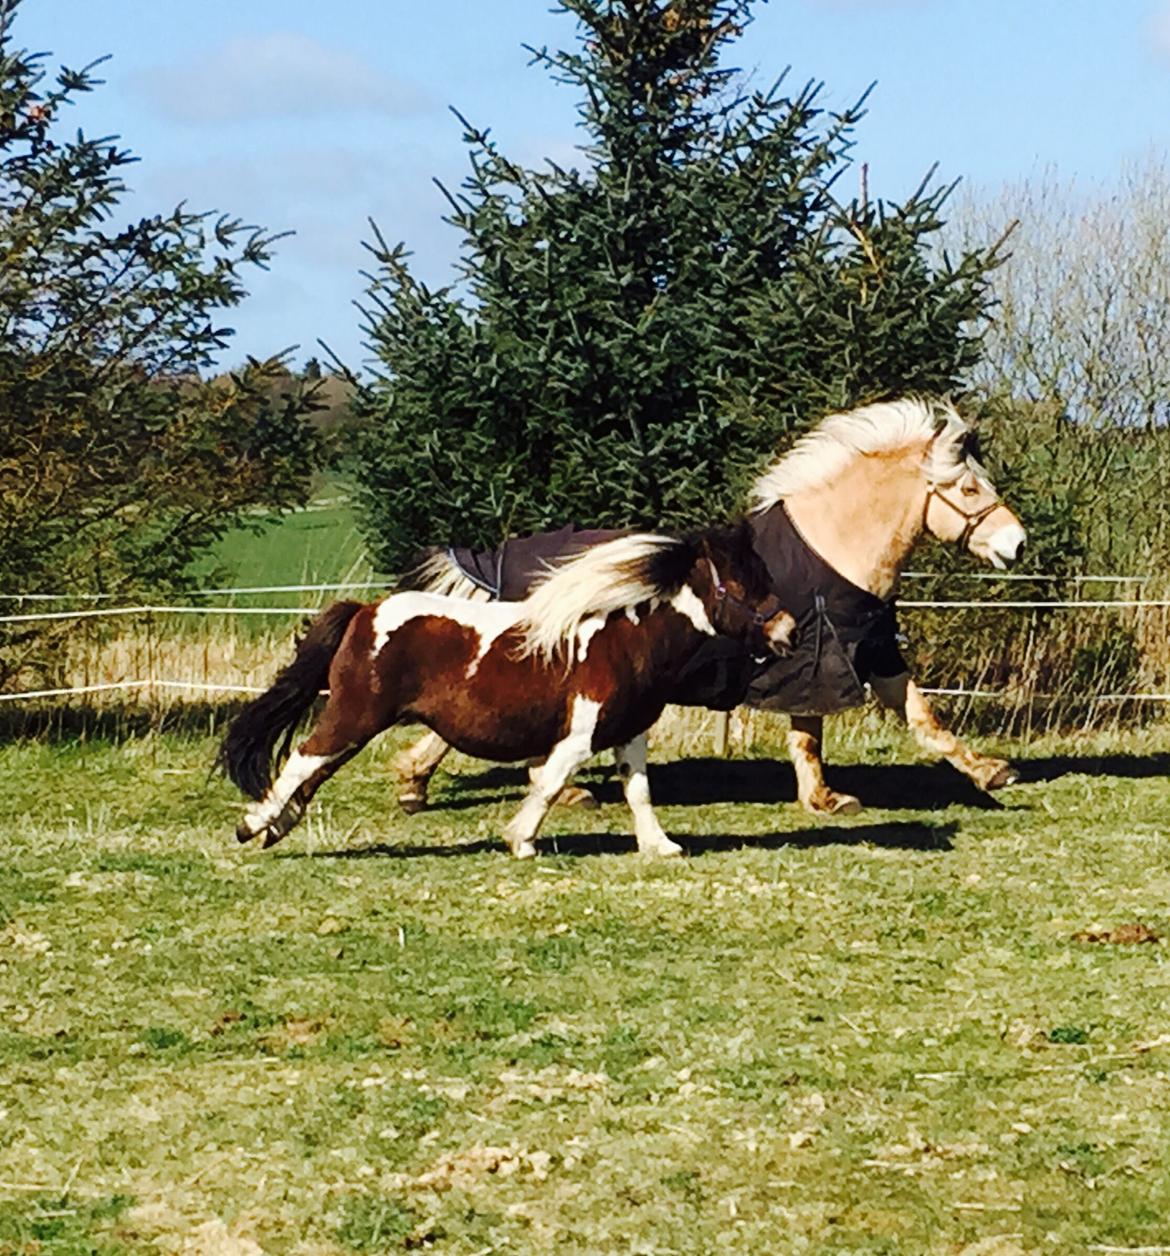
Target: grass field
876,1036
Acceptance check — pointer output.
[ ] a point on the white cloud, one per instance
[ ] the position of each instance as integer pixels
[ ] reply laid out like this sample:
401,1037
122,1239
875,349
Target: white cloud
278,75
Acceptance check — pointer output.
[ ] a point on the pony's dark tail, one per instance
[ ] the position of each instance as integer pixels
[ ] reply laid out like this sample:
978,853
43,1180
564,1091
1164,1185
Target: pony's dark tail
249,745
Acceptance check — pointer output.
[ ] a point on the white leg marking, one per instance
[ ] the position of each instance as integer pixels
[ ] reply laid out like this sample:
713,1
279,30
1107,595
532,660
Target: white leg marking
259,815
549,779
631,762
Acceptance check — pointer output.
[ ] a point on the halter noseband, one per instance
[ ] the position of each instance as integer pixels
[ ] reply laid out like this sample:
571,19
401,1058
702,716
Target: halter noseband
758,617
972,519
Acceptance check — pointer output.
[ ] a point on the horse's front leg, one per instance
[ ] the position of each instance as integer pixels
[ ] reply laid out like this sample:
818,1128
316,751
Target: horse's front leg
804,747
631,766
902,695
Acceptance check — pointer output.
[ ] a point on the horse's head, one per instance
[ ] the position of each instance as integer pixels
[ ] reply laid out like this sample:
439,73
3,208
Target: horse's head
962,505
733,583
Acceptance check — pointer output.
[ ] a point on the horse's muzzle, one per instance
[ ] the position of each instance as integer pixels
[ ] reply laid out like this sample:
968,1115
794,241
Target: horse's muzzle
781,634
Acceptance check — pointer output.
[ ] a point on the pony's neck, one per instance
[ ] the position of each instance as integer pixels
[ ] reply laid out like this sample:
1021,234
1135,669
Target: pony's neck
865,523
671,633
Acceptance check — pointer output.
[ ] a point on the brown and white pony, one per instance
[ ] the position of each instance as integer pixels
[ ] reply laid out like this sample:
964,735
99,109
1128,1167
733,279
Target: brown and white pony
861,489
583,664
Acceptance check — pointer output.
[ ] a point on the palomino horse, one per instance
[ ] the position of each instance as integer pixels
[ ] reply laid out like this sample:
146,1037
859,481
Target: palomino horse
583,664
836,519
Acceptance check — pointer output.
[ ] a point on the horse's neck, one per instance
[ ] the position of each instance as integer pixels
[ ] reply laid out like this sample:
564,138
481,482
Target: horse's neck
866,522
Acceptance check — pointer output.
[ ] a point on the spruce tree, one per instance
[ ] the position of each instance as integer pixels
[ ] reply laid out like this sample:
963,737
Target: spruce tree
626,340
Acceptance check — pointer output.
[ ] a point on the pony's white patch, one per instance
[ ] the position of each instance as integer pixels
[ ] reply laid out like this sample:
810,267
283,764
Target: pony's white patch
822,454
1004,545
688,604
488,619
588,630
632,615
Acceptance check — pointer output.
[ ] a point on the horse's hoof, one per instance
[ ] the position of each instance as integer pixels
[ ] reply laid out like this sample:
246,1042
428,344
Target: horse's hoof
272,835
243,832
830,804
412,804
577,797
1007,775
524,850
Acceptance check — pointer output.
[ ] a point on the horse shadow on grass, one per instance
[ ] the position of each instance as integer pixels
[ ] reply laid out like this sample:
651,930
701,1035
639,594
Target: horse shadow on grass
895,835
701,782
881,786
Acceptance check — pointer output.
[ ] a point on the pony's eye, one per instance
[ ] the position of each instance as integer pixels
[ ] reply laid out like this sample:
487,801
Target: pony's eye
969,490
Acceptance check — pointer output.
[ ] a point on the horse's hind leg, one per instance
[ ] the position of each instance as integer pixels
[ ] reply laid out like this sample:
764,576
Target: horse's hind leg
415,766
804,745
631,765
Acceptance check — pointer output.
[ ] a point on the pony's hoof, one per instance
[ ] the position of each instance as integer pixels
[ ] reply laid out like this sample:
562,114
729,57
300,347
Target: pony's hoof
412,804
523,850
1007,775
271,837
663,850
243,832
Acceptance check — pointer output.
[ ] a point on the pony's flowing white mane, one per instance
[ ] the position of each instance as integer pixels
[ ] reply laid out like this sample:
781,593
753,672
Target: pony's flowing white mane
614,576
822,454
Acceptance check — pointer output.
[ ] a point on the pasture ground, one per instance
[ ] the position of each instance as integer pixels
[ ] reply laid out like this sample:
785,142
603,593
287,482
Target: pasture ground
872,1036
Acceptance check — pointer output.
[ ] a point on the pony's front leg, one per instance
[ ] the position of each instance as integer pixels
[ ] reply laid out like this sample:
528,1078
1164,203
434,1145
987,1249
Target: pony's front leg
415,766
547,780
804,747
631,766
902,695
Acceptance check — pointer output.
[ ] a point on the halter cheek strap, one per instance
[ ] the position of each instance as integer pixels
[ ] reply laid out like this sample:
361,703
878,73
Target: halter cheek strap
759,617
972,519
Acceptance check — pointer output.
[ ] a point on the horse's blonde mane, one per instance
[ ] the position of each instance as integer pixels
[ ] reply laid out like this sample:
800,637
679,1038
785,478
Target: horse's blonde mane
822,454
614,576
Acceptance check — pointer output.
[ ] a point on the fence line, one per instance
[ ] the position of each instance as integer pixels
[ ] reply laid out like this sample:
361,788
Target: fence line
243,590
110,612
207,687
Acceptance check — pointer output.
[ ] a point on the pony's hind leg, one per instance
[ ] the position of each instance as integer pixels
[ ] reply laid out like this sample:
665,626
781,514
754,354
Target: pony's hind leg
631,765
415,766
547,780
282,807
307,769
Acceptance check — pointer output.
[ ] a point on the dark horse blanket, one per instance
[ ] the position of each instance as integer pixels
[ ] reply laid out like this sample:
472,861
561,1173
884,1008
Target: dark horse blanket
847,634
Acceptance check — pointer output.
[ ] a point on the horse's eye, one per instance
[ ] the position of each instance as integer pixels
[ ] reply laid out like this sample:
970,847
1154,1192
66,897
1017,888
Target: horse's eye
970,490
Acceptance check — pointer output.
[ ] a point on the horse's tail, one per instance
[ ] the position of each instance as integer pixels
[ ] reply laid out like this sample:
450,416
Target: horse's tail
436,571
248,749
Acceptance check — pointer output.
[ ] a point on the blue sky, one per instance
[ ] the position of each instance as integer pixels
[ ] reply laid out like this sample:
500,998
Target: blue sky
314,117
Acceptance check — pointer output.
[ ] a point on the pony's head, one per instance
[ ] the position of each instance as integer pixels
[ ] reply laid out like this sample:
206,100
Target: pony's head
731,580
962,505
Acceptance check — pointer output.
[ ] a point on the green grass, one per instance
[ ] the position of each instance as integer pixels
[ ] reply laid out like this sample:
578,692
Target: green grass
875,1036
315,546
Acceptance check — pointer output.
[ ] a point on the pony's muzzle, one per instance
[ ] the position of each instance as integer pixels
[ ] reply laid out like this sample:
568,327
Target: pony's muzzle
781,634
